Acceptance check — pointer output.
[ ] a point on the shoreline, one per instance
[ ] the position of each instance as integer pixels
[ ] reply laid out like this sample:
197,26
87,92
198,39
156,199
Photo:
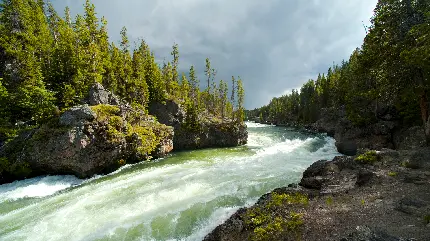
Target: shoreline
347,198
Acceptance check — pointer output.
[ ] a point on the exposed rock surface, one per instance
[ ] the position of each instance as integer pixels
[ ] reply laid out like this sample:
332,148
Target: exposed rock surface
98,95
346,200
209,132
350,138
87,140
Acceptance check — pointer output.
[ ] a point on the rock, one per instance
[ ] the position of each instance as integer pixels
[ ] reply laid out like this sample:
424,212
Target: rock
86,141
347,147
229,230
416,178
364,177
410,206
209,132
98,95
410,138
415,159
77,115
316,169
312,182
333,176
364,233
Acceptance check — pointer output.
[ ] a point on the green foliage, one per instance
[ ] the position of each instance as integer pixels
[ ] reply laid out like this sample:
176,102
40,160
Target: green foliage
104,112
369,157
52,62
278,225
392,174
15,169
282,199
329,201
391,69
268,223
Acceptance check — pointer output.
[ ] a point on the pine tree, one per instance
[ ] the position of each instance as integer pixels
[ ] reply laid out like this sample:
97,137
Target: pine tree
232,98
124,74
240,101
24,39
194,84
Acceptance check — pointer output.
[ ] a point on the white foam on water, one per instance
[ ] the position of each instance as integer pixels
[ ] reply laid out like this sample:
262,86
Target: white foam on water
256,125
36,187
176,201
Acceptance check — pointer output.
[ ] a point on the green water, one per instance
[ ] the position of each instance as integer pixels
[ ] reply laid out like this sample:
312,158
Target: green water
182,197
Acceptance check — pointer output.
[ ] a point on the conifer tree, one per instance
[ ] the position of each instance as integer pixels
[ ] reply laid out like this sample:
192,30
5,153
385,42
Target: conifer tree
240,101
24,40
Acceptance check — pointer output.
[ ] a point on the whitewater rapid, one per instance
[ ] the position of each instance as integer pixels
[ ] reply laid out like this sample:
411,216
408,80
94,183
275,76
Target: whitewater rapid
182,197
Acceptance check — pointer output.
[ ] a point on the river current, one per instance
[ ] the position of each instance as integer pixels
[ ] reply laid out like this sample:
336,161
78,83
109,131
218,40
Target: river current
181,197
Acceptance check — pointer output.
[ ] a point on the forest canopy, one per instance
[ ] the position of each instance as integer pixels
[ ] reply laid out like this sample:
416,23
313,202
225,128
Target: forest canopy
48,64
390,72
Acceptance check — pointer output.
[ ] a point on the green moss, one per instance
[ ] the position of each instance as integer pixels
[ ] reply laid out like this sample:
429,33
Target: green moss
104,112
329,201
392,174
279,199
369,157
277,226
269,222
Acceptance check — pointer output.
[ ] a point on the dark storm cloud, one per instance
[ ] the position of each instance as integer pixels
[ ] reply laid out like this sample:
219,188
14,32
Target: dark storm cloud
274,46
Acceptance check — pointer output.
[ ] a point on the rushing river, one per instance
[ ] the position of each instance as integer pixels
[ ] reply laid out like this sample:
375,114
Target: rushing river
182,197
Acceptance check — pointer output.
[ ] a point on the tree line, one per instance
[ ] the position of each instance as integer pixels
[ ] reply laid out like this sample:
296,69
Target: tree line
48,63
389,73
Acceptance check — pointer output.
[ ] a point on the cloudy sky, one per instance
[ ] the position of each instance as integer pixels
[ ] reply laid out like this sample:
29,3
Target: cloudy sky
273,45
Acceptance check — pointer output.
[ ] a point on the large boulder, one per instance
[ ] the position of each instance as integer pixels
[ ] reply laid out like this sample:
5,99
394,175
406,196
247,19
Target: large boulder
347,147
208,131
84,141
77,115
98,95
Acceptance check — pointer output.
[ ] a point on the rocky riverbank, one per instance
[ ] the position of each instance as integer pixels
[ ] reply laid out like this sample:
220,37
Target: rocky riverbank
105,133
374,196
386,131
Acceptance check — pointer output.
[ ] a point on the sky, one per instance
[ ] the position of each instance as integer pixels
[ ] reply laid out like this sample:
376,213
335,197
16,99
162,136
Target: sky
274,45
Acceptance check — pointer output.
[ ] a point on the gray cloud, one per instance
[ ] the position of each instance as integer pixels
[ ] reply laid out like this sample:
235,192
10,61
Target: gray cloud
274,46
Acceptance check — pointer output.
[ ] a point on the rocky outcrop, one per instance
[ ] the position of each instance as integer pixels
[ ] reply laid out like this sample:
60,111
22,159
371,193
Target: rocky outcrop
87,140
350,138
409,138
208,132
347,198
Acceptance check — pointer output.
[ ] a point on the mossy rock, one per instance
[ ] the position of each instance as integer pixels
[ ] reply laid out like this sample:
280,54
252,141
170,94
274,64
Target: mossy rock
370,157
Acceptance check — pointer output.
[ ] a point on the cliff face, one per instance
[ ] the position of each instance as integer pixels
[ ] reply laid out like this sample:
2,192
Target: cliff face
86,140
386,132
208,131
374,196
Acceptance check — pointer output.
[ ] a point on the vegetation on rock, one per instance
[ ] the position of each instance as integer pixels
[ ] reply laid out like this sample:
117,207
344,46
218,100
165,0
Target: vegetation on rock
269,223
369,157
387,78
48,63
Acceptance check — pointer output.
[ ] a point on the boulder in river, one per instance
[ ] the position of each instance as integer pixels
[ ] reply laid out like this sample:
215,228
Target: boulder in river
86,140
208,132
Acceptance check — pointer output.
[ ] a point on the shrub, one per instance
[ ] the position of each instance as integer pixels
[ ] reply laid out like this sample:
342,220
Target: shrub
104,112
268,223
369,157
392,174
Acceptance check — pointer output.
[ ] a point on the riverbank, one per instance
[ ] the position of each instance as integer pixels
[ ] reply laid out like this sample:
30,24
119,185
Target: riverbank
180,197
383,196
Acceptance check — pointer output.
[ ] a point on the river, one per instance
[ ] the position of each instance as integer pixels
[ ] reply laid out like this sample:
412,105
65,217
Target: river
181,197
